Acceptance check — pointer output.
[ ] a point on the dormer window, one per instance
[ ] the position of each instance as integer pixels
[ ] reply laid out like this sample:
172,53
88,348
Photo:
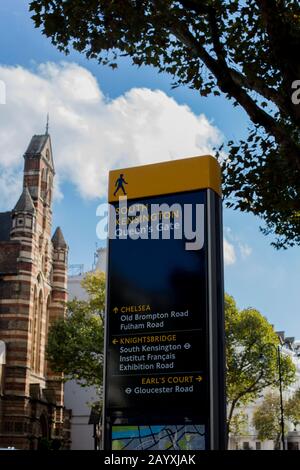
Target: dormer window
28,222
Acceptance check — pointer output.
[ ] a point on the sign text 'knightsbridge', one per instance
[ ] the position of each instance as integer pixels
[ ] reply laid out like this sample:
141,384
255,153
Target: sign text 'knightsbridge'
164,339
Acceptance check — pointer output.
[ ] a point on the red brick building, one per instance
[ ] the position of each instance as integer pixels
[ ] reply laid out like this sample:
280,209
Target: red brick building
33,287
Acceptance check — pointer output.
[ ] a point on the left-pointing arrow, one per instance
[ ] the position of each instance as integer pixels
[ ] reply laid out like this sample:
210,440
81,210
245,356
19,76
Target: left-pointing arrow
115,341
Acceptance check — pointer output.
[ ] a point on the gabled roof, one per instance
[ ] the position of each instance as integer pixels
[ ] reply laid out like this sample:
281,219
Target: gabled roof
37,144
58,239
25,203
5,226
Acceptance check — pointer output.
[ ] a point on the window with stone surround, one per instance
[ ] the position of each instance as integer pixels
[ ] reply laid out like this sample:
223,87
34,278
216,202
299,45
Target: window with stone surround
28,222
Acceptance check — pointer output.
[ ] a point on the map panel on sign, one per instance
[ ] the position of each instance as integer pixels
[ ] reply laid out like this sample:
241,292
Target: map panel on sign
170,437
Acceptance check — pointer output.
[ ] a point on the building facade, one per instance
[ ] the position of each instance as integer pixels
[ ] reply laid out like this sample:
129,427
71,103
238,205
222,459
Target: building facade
33,289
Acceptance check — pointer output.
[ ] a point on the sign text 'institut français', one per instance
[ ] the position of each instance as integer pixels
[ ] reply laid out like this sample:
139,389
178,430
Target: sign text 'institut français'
164,353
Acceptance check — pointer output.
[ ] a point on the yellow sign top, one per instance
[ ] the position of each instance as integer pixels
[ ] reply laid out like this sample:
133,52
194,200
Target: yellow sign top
176,176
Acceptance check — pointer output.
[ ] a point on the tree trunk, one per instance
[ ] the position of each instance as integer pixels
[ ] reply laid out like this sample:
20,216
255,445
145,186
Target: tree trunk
232,407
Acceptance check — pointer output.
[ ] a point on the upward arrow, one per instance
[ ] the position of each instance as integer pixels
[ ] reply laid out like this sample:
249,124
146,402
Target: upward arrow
115,310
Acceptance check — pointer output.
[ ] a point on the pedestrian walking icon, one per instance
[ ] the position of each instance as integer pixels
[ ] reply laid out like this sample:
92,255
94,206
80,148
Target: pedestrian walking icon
120,184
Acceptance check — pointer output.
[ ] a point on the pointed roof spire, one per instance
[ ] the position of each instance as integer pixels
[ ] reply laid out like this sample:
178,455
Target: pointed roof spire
47,125
25,203
58,239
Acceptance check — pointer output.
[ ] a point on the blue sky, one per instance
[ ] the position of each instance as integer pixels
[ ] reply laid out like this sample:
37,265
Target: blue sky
258,275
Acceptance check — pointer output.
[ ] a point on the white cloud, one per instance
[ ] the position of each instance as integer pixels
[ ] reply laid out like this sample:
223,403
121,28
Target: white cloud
10,187
234,248
229,253
245,250
90,133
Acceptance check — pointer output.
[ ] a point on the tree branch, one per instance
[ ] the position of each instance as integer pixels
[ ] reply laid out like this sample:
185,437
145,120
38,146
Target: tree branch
284,46
238,78
285,105
228,86
230,414
258,85
283,43
196,6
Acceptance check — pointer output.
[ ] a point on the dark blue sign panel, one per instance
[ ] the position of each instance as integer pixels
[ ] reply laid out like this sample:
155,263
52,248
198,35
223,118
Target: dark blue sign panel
164,345
157,363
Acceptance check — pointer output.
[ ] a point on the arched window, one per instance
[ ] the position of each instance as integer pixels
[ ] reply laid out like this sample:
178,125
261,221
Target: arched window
45,260
44,182
44,429
34,329
46,331
39,333
50,187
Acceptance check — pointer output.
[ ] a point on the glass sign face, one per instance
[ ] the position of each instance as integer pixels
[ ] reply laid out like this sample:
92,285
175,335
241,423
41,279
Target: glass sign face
157,378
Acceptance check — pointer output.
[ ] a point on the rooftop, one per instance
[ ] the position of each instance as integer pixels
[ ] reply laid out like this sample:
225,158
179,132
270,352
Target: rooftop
5,226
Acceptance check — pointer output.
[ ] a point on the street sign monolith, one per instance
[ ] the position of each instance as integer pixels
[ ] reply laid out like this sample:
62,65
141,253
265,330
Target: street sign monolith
164,344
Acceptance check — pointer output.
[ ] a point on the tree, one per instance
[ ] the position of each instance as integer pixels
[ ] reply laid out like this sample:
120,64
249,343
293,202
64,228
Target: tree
292,409
75,343
249,50
251,357
239,426
267,419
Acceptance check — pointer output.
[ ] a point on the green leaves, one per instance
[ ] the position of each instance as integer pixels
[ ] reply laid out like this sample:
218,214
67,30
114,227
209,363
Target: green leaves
292,409
75,343
94,284
266,418
251,356
244,49
258,178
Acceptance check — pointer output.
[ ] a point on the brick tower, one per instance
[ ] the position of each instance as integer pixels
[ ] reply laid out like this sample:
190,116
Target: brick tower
33,283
